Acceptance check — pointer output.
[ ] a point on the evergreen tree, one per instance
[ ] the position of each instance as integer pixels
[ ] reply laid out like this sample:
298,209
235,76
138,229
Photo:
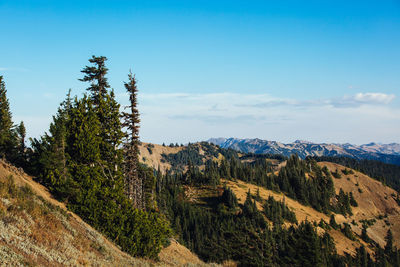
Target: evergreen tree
21,147
389,243
49,157
364,234
22,135
80,160
332,222
96,75
7,135
107,110
134,185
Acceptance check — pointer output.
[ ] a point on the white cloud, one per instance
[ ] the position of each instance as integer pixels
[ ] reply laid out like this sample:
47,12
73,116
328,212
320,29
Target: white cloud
182,117
363,99
374,98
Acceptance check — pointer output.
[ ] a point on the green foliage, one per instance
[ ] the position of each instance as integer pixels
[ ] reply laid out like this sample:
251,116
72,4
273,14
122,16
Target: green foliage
278,211
364,234
353,202
6,124
346,230
241,235
336,174
386,173
183,157
80,160
343,204
228,198
332,222
347,171
12,138
316,191
368,223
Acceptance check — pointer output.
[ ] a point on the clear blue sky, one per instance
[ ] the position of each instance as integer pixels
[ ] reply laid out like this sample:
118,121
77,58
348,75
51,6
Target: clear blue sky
277,70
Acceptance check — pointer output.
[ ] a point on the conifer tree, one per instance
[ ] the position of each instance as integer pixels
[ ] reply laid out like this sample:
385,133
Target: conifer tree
21,134
20,156
96,75
389,243
107,110
6,125
134,185
49,158
80,160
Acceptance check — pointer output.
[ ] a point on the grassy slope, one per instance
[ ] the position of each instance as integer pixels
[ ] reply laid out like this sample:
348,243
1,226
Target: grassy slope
374,200
153,159
37,230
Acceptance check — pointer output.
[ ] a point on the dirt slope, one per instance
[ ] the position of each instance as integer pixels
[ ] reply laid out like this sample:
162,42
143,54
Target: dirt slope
37,230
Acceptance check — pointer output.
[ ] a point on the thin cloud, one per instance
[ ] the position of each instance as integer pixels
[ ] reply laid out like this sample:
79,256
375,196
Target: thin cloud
343,102
363,99
221,119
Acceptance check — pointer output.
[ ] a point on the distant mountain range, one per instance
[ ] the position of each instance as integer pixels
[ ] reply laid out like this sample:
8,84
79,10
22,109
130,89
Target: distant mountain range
388,153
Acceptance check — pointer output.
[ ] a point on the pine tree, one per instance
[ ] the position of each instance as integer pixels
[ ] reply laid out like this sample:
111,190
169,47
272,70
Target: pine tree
49,157
134,185
389,243
332,222
21,147
21,134
96,75
364,234
80,160
7,136
106,109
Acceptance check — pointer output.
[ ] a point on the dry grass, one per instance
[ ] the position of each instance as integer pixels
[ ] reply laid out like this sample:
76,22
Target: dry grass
153,158
374,202
177,255
37,230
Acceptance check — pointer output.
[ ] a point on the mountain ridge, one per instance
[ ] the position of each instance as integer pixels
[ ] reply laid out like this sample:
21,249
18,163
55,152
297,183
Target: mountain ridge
388,153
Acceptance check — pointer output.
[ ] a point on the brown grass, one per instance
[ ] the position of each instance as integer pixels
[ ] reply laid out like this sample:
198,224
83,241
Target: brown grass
375,200
343,244
36,230
154,159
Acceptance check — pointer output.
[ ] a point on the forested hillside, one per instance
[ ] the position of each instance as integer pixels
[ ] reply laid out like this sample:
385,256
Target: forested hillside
87,161
227,207
246,208
386,173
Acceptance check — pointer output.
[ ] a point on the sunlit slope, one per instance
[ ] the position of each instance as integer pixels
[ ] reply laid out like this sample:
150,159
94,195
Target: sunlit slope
375,202
37,230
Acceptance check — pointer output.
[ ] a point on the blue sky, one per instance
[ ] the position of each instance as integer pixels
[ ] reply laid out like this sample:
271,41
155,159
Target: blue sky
276,70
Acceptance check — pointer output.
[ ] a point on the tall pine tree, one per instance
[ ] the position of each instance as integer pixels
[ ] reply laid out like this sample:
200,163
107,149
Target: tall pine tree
96,75
107,110
134,185
7,135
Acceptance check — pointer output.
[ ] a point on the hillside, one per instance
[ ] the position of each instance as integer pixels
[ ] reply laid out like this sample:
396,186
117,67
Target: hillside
37,230
374,203
377,204
388,153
